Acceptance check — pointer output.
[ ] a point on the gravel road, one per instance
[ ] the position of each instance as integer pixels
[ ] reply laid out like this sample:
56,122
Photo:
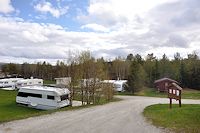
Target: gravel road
118,117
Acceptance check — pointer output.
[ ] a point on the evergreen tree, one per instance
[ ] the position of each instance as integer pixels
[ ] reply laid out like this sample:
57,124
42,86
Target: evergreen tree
136,78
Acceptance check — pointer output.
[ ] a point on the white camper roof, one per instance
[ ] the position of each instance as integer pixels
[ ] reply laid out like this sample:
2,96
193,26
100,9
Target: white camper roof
120,81
115,81
27,80
59,91
11,79
62,78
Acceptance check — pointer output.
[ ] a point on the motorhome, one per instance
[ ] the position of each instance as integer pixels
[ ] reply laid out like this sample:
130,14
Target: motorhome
9,83
117,84
29,82
43,97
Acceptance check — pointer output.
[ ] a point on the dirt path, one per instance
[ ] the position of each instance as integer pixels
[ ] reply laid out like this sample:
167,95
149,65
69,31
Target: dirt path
118,117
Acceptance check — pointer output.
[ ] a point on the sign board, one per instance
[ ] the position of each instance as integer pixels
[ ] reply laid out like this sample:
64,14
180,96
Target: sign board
174,92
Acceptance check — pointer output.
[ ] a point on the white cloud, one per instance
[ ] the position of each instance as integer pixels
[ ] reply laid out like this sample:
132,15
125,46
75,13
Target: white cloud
6,7
116,27
114,12
95,27
46,7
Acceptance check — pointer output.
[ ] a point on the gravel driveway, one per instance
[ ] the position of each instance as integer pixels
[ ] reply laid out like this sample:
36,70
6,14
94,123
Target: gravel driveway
119,117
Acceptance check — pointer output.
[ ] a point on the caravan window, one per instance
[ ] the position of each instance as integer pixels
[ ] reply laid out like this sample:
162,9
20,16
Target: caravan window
23,94
64,97
50,97
117,85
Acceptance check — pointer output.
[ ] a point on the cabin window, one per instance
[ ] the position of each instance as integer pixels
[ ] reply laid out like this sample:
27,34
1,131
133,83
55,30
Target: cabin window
39,82
50,97
23,94
64,97
6,82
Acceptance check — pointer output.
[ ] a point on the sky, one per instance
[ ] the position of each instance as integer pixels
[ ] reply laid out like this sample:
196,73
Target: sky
49,30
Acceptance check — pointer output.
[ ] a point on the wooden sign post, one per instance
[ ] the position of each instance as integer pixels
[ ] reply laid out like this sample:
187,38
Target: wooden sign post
174,92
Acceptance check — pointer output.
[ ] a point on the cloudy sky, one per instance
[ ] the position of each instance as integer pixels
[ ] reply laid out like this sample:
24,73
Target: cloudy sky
38,30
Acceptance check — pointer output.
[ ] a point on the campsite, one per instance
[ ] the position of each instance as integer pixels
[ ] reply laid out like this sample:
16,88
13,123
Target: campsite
97,89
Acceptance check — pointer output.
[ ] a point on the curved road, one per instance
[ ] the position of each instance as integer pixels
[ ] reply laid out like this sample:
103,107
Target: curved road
118,117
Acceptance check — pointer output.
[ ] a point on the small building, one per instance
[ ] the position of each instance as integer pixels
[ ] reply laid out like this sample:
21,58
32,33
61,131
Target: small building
64,81
162,84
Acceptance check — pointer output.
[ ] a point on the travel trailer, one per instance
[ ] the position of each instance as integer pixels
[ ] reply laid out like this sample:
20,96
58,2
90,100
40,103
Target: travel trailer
89,82
43,97
117,84
29,82
9,83
65,81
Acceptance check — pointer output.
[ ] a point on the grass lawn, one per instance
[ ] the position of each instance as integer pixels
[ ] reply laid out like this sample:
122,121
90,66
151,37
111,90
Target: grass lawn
152,92
9,110
49,82
181,120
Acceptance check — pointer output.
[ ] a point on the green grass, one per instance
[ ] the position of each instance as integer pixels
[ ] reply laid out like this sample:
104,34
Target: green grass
152,92
191,94
9,110
124,93
181,120
49,82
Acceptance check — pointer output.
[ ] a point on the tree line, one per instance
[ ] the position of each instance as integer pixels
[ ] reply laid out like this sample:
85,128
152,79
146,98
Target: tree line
138,71
85,71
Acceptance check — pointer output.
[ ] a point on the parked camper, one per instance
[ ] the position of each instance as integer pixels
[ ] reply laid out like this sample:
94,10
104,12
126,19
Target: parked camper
117,84
89,82
64,81
42,97
9,83
29,82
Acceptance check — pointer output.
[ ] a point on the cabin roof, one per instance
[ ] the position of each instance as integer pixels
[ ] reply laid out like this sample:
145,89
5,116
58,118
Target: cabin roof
165,79
177,86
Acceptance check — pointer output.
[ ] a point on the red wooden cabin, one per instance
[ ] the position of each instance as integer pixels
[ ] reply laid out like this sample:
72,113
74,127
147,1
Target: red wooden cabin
161,84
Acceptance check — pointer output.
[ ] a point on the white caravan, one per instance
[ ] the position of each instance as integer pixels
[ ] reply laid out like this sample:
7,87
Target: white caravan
63,81
29,82
9,83
43,97
117,84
